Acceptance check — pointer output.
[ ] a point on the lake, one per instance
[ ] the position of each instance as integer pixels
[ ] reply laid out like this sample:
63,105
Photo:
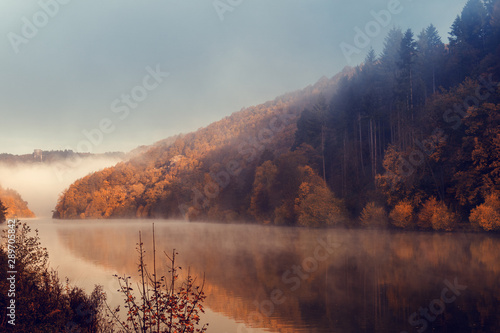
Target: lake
279,279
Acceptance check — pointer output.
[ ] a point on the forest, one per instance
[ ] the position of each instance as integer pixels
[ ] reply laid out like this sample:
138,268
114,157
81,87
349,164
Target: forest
409,139
12,205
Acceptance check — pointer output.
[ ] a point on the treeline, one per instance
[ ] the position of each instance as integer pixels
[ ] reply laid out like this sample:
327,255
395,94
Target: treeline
410,138
51,156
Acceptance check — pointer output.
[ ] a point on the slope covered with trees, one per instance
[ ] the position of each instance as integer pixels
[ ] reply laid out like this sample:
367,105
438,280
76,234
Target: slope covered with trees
415,132
410,138
14,205
218,172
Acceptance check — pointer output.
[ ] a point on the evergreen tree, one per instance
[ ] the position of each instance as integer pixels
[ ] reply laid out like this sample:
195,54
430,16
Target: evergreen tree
390,54
406,86
370,58
468,41
456,33
474,18
431,53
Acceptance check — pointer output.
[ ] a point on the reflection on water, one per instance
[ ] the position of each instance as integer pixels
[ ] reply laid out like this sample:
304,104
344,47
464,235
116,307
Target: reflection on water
299,280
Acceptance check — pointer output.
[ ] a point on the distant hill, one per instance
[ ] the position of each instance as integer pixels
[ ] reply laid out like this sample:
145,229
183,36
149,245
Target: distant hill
51,156
207,174
16,206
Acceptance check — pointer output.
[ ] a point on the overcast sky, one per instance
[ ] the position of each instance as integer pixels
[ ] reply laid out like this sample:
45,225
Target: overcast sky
68,68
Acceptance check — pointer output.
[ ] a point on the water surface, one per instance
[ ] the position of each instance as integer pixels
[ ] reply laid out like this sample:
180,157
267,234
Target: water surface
270,279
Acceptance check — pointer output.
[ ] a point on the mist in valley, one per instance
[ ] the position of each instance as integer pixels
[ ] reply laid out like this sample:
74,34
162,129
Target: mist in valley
40,184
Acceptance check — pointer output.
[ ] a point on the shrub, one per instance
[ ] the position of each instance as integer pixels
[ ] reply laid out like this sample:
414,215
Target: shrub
443,218
424,219
316,206
373,216
43,303
436,215
487,215
161,304
402,214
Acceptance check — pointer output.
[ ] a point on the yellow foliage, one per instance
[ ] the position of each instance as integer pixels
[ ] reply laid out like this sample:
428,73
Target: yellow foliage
402,214
443,218
425,216
434,214
316,206
487,215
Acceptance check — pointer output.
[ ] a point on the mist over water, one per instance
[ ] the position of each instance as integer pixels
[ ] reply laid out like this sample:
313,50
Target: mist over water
327,280
40,184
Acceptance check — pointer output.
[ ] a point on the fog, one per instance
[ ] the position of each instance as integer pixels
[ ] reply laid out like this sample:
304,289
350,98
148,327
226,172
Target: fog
40,184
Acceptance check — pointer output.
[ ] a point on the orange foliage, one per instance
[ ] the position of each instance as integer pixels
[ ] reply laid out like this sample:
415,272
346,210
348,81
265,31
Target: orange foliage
213,173
16,206
434,214
315,204
402,214
487,215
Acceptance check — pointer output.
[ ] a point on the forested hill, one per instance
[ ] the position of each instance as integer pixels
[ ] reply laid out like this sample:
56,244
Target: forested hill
409,139
14,205
207,174
51,156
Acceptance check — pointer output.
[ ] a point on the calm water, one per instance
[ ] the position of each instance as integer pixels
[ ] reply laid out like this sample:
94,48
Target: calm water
267,279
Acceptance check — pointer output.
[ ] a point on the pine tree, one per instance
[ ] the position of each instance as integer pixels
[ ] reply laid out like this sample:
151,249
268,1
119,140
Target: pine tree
456,33
431,50
370,57
474,17
406,80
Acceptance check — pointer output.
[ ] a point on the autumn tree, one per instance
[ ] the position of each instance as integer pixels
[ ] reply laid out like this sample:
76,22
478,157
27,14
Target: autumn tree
14,204
487,214
315,204
434,214
3,212
478,159
402,214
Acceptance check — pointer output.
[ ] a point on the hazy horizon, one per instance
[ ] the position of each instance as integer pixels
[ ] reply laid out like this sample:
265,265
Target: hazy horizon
40,184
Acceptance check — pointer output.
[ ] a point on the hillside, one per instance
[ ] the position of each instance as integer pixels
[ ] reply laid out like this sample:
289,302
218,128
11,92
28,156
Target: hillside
409,139
207,174
16,206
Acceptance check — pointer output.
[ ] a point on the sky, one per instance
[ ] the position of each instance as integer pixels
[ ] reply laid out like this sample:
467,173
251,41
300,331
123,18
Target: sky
100,76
